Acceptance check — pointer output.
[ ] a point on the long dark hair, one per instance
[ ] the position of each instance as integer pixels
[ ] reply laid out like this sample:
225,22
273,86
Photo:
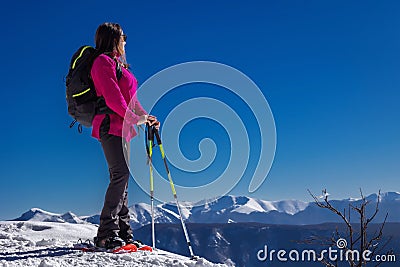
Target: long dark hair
107,38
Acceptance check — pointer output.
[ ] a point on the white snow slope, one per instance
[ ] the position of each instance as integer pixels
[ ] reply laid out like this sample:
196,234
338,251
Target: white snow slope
49,244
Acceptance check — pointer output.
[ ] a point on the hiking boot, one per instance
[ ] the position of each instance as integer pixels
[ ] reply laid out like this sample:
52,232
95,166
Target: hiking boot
127,239
112,242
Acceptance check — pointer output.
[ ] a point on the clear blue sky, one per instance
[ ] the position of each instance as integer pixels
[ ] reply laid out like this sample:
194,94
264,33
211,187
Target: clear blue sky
329,70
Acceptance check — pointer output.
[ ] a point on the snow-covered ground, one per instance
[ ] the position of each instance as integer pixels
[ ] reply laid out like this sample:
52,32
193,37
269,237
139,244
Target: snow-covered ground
49,244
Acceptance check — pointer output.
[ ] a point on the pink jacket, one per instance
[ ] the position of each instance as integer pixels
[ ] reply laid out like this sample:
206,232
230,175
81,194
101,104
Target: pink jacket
118,94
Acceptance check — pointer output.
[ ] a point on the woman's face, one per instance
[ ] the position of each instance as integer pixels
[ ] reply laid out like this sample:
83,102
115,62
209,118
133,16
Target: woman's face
122,42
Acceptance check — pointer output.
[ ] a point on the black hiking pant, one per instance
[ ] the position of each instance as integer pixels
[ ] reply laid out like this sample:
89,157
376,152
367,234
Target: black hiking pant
114,218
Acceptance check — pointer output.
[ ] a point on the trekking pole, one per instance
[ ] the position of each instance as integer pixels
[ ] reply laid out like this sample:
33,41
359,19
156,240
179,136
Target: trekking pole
149,148
173,191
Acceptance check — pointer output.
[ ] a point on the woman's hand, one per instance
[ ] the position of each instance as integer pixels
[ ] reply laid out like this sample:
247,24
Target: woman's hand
142,119
152,121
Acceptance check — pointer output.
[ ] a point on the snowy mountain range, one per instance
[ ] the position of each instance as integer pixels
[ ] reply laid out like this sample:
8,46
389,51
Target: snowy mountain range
38,215
233,209
228,230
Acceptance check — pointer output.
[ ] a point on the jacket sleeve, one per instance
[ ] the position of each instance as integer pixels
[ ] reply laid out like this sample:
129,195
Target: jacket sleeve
137,107
106,83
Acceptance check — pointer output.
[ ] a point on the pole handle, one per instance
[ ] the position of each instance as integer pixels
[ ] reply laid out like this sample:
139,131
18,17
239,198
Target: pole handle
150,133
157,134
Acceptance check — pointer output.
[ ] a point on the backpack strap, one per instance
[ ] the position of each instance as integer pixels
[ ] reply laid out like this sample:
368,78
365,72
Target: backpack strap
79,125
118,70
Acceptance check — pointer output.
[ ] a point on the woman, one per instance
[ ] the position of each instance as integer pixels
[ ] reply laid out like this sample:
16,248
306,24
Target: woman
120,96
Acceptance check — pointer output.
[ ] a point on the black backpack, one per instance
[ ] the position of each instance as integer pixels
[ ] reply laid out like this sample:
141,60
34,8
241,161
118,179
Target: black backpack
83,102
